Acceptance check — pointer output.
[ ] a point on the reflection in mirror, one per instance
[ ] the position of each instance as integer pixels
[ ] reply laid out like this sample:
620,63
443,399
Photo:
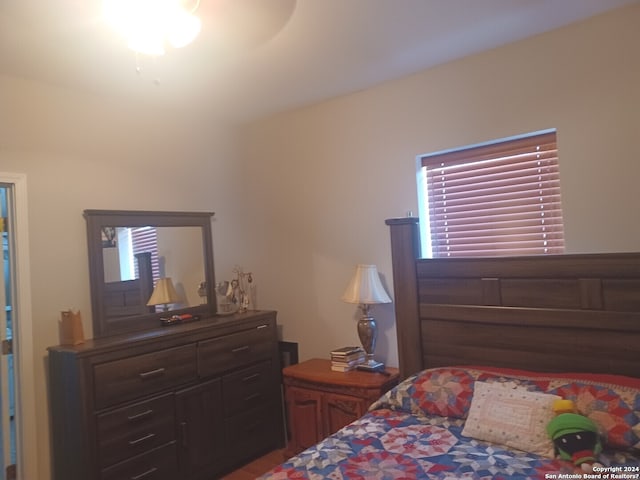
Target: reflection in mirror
174,252
130,253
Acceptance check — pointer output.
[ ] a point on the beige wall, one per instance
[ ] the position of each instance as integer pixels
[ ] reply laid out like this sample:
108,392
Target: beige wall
80,152
180,254
308,196
324,178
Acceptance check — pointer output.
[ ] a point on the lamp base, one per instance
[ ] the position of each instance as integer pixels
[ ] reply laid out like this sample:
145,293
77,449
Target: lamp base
371,365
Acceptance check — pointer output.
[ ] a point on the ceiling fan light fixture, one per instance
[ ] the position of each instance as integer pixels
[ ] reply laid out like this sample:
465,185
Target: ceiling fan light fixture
150,25
184,29
146,44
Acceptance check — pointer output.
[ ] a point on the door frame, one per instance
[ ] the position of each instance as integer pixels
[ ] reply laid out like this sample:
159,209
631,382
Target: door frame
24,364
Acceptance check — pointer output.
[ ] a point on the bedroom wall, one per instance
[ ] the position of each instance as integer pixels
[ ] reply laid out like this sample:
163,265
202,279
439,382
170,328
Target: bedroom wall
81,151
307,197
321,180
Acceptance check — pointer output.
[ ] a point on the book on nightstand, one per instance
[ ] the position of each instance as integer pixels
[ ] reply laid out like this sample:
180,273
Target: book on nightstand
338,352
346,358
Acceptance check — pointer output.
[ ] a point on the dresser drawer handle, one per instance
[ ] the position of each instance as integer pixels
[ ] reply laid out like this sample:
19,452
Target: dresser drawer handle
142,439
241,349
151,373
262,326
140,415
253,397
251,378
184,434
152,470
252,427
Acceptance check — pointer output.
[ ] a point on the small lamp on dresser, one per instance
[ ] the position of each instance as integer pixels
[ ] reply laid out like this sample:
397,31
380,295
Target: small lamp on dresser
163,294
366,289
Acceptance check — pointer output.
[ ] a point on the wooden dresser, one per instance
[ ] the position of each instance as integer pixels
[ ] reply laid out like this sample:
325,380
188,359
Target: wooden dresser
320,401
189,401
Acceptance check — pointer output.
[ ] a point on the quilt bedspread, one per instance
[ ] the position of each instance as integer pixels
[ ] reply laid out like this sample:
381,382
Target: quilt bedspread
386,444
417,431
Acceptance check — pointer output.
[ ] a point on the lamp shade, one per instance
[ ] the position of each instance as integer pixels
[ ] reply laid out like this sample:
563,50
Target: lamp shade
163,293
365,287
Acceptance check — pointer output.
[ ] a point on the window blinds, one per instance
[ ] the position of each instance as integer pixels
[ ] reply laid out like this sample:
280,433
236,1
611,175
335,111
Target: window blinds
498,199
145,239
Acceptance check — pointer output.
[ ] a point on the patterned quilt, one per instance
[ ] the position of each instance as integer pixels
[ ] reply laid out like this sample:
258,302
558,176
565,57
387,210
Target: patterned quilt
406,436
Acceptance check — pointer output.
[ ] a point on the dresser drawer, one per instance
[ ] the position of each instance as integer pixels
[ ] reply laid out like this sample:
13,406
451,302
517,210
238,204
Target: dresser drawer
158,464
134,429
247,389
133,377
253,430
232,351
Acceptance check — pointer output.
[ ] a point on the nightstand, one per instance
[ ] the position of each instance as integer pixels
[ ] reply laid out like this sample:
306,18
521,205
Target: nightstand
321,401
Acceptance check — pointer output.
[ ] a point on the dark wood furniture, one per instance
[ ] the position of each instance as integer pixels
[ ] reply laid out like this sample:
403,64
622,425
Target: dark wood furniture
570,313
321,401
190,401
120,307
128,298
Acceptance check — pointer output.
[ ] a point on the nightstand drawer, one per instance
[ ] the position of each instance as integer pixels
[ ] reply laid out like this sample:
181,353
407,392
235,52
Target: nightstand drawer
133,377
159,464
233,351
248,388
132,430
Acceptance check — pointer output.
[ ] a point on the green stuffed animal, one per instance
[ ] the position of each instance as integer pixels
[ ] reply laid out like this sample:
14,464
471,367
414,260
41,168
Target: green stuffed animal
575,438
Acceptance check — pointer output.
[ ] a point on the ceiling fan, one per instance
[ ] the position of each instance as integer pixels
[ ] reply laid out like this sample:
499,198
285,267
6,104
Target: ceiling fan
152,27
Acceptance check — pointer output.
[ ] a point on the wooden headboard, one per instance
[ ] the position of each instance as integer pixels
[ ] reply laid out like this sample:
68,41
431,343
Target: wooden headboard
557,313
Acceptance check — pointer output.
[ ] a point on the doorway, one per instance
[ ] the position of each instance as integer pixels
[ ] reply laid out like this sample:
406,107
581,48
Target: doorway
18,439
7,377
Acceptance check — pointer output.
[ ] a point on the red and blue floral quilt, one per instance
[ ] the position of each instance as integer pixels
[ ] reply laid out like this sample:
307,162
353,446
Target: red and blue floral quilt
415,432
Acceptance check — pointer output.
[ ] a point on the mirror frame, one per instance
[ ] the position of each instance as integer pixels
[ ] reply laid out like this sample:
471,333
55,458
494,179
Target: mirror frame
96,219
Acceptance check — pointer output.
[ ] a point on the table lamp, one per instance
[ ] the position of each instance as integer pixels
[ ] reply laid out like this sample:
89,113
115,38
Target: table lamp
163,294
366,289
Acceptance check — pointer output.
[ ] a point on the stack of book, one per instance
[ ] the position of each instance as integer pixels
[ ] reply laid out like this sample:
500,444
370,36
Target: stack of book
346,358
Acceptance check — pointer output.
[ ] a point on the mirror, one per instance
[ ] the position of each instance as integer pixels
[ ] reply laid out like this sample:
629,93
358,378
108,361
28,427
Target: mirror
131,252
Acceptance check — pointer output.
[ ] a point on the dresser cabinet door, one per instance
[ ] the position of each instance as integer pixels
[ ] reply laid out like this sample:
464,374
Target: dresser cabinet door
199,416
305,413
341,410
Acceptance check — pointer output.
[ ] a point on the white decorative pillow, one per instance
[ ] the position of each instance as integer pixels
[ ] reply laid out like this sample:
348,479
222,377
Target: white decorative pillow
514,417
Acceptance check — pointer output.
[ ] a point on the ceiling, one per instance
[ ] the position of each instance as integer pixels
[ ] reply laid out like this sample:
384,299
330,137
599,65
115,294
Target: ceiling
258,57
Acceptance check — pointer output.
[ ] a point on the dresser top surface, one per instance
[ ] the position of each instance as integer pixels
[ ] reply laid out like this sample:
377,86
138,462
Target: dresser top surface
224,324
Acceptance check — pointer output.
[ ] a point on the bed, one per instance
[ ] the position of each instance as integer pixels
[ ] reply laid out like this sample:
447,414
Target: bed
486,345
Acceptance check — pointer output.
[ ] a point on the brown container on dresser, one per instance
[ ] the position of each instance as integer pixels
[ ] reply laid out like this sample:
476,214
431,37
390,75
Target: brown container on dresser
189,401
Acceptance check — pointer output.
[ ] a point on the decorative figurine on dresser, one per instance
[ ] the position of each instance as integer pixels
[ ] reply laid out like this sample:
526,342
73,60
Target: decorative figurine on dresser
151,400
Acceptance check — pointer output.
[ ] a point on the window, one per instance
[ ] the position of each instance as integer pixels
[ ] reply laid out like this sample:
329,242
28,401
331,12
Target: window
132,241
145,239
495,199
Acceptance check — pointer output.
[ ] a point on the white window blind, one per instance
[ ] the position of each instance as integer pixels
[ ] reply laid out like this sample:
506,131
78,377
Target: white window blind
145,239
495,200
